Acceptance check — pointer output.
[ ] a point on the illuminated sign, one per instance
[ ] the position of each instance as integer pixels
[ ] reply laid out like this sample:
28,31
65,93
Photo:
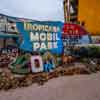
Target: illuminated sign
40,36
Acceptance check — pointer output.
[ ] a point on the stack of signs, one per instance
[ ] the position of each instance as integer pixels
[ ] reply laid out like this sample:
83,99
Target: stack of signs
41,36
75,34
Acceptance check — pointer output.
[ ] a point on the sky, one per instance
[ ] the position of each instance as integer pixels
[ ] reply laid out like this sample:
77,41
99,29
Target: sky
51,10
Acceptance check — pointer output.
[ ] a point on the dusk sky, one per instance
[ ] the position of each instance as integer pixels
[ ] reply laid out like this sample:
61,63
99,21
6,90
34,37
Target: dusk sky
33,9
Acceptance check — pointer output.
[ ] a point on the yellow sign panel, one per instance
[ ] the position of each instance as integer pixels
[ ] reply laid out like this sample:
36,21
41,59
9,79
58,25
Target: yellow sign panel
89,12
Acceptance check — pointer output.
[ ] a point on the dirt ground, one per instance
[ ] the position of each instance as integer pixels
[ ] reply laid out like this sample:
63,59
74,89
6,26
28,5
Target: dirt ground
80,87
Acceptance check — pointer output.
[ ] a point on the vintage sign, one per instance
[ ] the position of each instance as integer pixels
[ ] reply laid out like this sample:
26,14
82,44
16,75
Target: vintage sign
75,34
41,36
71,29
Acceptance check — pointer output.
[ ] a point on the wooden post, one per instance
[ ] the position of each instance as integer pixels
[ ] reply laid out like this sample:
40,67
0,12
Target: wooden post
66,5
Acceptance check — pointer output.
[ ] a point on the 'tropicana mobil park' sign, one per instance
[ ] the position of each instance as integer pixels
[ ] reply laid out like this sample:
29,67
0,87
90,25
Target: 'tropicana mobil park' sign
41,35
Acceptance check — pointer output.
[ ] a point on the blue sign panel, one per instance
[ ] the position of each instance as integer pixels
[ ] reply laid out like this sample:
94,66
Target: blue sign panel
41,36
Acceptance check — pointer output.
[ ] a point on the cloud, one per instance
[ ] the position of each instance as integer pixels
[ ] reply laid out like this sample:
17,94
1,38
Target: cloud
34,9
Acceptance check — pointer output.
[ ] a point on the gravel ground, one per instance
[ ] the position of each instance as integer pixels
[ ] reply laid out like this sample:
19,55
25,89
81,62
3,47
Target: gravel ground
82,87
